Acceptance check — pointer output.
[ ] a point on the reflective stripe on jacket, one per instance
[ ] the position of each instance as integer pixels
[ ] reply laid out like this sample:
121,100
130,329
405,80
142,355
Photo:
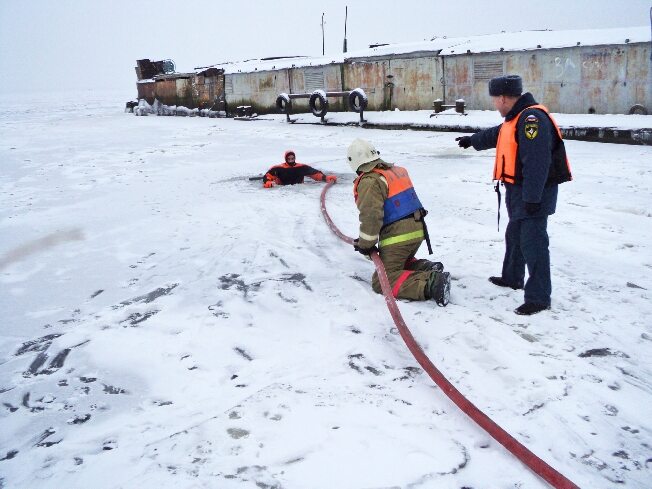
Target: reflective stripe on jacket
507,166
401,198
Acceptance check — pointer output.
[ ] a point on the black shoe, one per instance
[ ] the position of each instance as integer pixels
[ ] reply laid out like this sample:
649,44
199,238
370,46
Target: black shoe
530,308
438,288
500,282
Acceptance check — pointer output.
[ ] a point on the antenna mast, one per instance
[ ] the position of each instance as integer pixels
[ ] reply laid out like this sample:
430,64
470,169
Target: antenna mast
346,16
322,34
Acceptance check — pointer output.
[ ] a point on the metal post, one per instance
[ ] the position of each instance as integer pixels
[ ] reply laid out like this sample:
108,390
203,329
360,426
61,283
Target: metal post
438,105
346,16
322,34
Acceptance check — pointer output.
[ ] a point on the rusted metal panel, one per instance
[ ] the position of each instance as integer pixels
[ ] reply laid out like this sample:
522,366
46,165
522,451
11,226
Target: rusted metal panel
416,83
580,79
309,78
187,95
146,90
176,89
333,78
166,91
260,89
405,83
146,69
371,76
297,79
597,79
639,74
209,85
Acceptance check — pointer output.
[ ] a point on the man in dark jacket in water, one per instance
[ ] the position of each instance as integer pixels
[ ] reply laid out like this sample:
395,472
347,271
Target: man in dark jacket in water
290,173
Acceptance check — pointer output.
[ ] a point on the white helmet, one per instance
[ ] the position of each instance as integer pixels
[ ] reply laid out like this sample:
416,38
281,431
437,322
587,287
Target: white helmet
360,153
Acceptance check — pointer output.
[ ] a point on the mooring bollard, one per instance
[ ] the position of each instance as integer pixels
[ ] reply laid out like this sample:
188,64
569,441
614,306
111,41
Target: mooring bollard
438,106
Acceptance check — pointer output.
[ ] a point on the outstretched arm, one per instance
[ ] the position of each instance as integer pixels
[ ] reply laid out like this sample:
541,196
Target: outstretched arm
485,139
314,173
318,175
270,178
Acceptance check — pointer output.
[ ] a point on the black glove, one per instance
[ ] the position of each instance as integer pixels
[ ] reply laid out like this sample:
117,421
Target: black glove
532,207
463,141
364,251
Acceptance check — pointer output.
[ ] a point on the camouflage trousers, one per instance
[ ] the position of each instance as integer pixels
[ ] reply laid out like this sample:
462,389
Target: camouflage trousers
400,264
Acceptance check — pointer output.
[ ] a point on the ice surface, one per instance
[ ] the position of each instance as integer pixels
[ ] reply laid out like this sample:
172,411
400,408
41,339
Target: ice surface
197,330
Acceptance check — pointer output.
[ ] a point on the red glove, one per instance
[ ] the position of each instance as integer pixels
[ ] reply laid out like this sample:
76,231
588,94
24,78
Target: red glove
331,179
268,184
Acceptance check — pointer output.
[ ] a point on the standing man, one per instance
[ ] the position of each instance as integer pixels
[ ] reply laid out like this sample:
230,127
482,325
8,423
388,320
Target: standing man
530,163
290,173
392,216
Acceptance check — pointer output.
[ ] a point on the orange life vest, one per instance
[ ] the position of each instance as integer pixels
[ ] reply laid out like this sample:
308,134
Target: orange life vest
401,198
507,166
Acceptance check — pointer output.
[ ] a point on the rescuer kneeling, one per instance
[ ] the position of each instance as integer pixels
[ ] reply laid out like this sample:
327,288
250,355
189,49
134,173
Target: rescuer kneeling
392,216
290,173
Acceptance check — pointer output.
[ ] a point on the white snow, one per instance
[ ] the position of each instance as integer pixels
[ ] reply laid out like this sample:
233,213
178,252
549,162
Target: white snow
450,46
252,65
166,322
472,118
514,41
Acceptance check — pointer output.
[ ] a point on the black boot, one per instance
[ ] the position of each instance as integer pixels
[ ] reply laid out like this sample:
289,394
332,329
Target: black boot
436,266
438,288
500,282
530,308
423,265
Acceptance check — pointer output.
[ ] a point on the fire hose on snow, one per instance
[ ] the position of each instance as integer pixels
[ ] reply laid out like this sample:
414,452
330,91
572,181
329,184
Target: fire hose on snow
537,465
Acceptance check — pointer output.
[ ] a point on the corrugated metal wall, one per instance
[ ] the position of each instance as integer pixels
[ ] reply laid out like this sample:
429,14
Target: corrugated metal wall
391,83
579,79
146,90
173,90
416,83
371,76
582,79
166,91
260,89
186,92
210,89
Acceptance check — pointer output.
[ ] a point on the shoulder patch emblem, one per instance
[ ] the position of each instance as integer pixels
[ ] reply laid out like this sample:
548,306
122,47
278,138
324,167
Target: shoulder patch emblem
532,118
531,130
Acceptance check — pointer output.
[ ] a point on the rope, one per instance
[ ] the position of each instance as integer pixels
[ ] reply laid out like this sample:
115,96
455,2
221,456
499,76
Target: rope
537,465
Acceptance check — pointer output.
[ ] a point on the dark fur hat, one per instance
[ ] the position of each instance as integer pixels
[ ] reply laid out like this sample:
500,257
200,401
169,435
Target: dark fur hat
510,85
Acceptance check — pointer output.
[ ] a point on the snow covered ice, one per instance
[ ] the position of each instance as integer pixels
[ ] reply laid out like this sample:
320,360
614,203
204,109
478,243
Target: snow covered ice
168,323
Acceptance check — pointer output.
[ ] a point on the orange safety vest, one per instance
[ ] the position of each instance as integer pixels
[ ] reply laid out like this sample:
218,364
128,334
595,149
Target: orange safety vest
507,166
401,198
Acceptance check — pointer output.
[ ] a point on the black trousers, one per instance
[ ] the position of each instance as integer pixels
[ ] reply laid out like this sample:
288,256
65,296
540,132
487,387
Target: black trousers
526,244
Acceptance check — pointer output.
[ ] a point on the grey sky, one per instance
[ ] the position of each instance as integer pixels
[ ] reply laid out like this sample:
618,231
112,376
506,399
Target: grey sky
76,44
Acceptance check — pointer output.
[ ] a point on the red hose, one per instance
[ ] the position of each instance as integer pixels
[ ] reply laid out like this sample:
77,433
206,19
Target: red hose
538,466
